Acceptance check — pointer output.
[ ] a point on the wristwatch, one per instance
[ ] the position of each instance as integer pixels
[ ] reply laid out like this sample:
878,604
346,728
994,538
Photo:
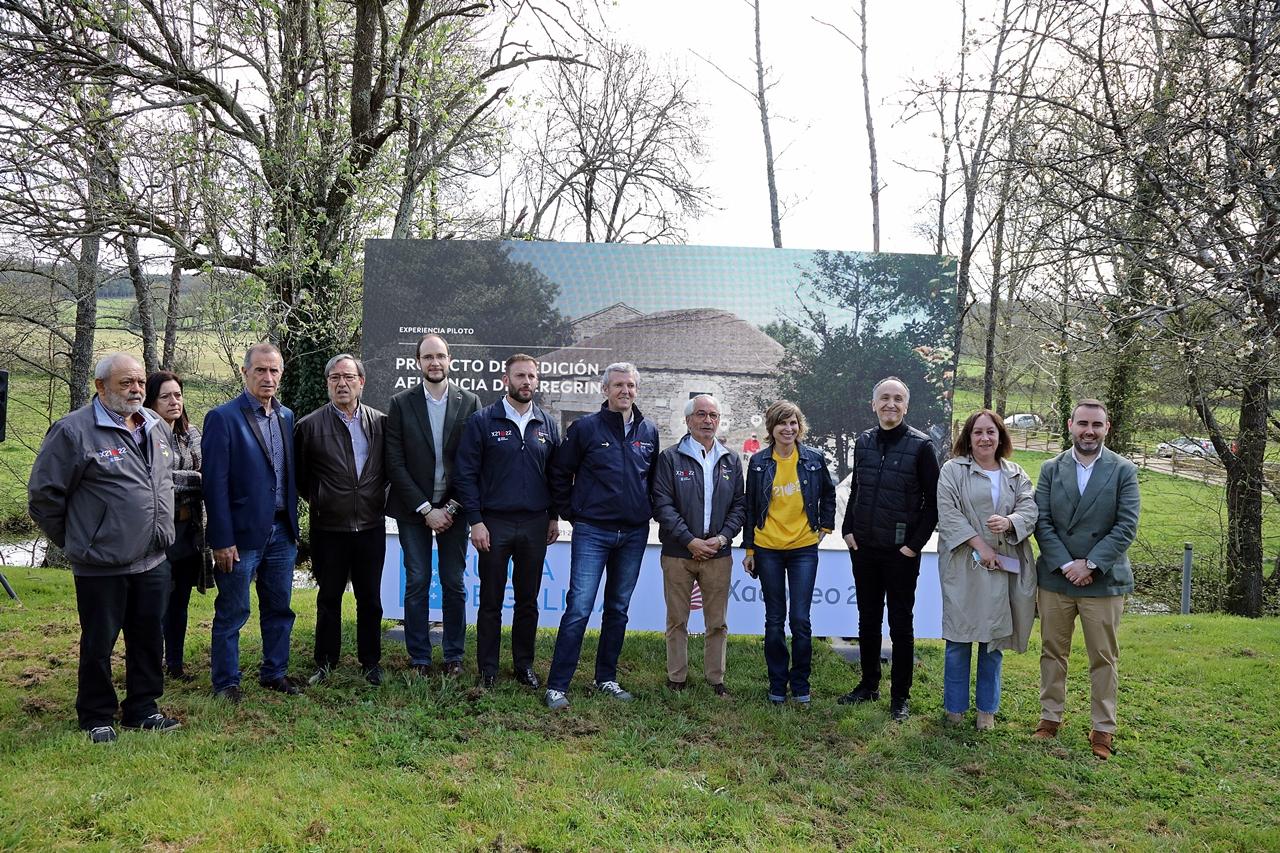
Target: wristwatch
1091,565
724,543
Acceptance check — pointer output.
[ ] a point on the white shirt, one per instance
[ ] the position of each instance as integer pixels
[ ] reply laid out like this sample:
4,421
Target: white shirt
1083,471
521,420
708,459
994,477
439,404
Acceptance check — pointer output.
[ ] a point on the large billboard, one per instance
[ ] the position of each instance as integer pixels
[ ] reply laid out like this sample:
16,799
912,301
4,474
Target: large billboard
747,325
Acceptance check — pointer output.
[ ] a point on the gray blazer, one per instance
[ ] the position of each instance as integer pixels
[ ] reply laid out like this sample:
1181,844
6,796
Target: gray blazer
1099,525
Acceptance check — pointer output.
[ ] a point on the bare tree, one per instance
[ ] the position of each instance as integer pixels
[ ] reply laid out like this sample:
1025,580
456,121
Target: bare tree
611,158
861,46
759,95
307,96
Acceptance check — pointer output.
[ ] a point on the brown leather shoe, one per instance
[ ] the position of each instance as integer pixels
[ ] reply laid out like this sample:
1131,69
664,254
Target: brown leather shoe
1046,729
1100,743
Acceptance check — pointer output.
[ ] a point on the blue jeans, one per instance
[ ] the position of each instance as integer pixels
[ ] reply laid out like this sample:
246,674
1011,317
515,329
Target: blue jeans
451,556
955,678
792,571
595,552
273,567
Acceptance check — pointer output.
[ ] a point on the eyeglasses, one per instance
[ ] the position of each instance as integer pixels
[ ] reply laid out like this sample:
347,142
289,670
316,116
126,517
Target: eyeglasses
349,378
712,416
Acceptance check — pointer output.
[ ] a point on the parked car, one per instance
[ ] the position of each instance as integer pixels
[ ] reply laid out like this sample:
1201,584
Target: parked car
1024,420
1184,446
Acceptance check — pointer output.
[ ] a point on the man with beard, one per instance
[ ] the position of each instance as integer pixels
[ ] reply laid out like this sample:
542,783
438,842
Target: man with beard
251,495
341,474
423,428
502,484
1089,505
101,489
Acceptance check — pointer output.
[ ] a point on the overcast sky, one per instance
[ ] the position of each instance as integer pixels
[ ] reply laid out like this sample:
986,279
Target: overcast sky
819,126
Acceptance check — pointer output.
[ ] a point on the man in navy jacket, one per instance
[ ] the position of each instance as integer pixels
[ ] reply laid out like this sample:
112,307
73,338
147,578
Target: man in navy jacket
501,479
600,480
251,496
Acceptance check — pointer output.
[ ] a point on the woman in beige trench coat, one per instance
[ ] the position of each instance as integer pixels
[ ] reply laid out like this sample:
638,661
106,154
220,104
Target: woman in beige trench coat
986,514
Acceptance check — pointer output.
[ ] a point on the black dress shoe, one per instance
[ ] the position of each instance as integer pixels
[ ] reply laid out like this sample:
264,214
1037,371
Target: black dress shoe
176,673
677,686
858,695
229,694
528,677
488,681
373,675
282,685
453,668
720,690
899,710
422,669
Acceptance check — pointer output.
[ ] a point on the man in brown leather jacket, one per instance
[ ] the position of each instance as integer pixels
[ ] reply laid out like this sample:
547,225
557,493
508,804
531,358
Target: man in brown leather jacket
342,477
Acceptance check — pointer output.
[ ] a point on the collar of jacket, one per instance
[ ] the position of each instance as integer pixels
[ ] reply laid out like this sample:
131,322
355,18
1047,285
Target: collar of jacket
718,447
102,419
498,410
614,419
1006,467
891,436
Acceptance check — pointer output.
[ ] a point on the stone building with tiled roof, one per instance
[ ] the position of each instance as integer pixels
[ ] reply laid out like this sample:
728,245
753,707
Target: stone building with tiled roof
679,354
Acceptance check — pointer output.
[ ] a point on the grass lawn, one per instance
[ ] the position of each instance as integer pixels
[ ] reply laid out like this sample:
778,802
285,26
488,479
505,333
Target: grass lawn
432,764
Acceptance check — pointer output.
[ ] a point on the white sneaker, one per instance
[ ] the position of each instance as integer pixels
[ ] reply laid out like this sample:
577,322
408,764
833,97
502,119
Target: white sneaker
556,700
614,690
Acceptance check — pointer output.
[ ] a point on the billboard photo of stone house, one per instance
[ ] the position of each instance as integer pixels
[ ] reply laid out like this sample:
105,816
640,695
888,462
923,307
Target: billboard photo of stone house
679,354
747,325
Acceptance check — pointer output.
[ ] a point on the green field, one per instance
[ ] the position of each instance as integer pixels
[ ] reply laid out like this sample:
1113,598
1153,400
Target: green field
432,764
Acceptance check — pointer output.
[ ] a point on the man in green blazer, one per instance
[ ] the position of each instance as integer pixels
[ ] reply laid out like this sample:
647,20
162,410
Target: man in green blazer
1088,502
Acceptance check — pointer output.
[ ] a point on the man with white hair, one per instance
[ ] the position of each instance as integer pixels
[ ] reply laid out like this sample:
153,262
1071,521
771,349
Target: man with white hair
699,502
599,478
102,490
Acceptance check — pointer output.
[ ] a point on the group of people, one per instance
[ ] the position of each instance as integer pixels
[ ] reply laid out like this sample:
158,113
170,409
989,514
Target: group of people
148,508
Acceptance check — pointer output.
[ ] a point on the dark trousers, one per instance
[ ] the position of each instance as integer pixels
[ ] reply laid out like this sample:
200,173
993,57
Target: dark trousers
787,577
108,605
881,576
521,542
184,573
449,561
338,557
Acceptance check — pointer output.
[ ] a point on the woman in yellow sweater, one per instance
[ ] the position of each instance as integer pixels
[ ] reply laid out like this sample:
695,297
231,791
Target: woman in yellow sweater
791,505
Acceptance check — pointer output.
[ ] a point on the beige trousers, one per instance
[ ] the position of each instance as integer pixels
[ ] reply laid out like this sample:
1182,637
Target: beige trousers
712,576
1099,619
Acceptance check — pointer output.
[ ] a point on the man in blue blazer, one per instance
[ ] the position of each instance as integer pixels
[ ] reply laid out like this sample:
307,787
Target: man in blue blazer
1089,504
252,503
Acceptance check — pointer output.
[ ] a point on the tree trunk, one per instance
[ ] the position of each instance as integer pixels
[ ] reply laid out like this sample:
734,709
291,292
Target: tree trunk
307,344
871,135
1064,401
1244,504
169,358
761,101
993,310
142,295
80,373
